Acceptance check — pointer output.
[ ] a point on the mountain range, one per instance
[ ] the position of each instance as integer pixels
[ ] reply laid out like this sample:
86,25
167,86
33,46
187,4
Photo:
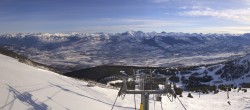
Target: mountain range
75,51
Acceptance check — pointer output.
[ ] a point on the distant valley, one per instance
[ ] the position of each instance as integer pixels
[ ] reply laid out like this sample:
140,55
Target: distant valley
75,51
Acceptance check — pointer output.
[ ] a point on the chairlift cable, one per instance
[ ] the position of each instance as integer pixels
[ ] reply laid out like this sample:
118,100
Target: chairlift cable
114,102
181,103
169,98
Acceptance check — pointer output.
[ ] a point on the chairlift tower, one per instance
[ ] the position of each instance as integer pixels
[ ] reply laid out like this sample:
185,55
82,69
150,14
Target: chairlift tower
145,84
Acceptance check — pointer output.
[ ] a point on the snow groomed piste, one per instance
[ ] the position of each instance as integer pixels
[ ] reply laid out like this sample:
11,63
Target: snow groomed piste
25,87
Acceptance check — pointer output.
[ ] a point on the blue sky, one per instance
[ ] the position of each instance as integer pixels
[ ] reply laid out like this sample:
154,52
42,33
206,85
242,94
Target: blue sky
199,16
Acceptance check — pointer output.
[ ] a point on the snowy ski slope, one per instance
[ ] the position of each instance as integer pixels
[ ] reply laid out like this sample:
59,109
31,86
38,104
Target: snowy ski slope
25,87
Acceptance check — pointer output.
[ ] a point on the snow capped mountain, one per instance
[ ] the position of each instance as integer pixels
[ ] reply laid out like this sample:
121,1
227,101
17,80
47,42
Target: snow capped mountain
68,52
137,34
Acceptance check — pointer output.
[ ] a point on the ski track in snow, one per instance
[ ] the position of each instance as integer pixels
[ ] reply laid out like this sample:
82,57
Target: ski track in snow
24,87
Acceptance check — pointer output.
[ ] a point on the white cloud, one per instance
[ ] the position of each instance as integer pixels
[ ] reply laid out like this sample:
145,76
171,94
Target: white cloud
247,2
120,25
242,15
225,29
149,25
146,28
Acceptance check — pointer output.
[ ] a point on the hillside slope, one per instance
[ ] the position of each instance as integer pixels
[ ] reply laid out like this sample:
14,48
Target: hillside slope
234,72
24,87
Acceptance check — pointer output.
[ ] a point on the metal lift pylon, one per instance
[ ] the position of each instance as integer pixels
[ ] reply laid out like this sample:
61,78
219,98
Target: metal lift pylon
140,82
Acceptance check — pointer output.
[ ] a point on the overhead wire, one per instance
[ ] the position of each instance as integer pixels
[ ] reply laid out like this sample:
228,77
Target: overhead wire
114,102
119,94
181,103
173,93
169,95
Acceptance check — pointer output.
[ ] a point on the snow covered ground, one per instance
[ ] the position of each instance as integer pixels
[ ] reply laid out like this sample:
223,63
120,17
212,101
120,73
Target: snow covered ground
24,87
